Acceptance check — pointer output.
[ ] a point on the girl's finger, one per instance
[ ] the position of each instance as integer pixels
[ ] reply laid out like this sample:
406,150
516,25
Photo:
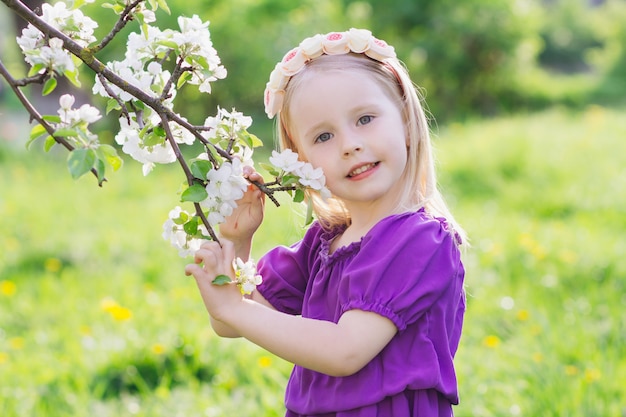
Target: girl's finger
228,249
193,269
208,256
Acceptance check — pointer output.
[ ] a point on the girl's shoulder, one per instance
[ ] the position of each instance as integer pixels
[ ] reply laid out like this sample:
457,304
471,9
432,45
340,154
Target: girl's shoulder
418,225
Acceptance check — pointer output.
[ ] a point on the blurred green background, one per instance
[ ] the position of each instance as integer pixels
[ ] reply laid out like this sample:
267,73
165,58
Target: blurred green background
527,100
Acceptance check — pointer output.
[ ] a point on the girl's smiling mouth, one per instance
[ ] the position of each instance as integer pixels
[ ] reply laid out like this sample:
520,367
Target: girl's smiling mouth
362,169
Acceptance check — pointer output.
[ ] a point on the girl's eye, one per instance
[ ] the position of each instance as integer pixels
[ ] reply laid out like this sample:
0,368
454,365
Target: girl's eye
323,137
363,120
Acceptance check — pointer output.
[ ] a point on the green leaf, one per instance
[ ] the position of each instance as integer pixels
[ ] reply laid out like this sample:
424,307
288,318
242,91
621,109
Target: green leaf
52,118
72,77
182,219
196,193
309,213
34,70
49,143
100,169
153,139
252,141
109,154
117,8
49,86
298,196
289,180
80,161
158,130
64,131
35,133
200,168
256,142
139,104
112,104
168,44
183,79
270,169
191,227
164,6
221,280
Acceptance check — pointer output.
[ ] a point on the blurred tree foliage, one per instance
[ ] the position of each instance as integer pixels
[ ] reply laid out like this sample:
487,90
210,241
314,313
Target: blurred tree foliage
471,57
464,54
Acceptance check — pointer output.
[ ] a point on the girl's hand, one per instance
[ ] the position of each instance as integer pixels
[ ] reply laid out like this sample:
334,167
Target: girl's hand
240,226
212,260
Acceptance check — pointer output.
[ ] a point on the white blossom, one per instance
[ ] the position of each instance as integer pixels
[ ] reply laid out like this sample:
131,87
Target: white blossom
128,137
246,275
225,123
66,101
286,160
177,236
227,182
71,117
311,177
73,23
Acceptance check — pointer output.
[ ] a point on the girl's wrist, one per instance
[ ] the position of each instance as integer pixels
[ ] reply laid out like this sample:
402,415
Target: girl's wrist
243,246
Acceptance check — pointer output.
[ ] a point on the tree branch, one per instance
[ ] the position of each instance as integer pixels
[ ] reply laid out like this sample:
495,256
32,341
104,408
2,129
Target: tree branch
34,115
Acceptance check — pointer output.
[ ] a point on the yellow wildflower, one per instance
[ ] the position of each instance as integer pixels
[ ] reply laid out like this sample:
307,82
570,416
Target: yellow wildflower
523,315
265,361
158,349
491,341
16,343
8,288
52,265
116,311
592,375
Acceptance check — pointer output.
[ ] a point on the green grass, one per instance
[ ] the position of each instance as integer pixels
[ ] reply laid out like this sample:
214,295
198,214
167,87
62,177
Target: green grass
98,319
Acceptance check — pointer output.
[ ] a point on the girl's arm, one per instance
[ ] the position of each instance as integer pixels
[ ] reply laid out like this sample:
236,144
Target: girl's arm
336,349
239,228
222,329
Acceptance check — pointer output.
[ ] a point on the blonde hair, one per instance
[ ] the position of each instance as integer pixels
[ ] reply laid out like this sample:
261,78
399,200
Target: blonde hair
420,182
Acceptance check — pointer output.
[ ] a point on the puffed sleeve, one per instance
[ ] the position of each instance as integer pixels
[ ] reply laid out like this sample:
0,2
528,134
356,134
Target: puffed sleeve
405,265
286,270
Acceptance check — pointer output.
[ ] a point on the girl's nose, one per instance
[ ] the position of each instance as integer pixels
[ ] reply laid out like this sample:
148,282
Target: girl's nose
351,144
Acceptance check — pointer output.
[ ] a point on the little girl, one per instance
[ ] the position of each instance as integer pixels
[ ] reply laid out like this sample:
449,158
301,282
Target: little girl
369,304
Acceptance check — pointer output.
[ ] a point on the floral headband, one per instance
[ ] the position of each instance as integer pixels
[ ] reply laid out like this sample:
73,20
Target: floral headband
359,41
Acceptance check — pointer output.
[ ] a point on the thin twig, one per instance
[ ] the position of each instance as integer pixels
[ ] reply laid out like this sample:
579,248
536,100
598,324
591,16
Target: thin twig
111,94
119,25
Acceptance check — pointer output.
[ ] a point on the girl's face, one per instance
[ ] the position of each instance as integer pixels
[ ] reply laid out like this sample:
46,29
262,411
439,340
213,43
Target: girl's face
345,123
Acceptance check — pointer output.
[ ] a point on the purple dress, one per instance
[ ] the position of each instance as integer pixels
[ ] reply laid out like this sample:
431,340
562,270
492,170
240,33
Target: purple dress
406,268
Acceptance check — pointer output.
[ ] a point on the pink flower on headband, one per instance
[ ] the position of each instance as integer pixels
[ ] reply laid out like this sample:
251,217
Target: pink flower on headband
312,47
378,50
359,41
293,62
335,43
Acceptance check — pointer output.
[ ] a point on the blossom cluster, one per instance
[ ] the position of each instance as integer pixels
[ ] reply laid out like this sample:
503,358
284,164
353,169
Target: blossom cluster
48,54
174,232
139,134
360,41
246,275
225,185
158,63
71,117
303,172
